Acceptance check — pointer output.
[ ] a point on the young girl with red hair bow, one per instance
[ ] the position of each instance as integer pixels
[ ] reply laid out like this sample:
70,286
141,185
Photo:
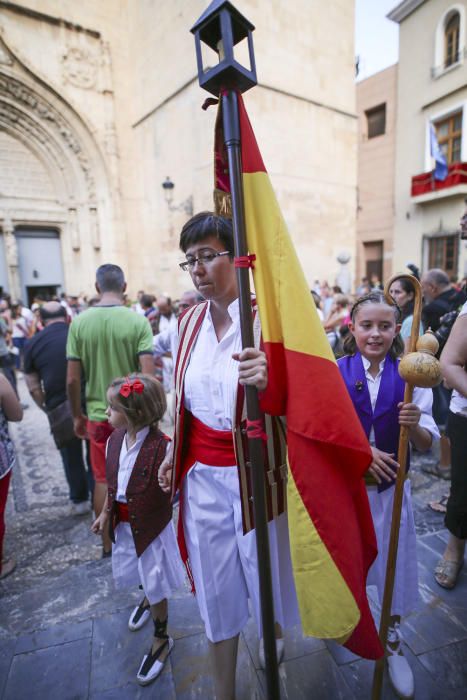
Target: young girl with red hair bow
138,512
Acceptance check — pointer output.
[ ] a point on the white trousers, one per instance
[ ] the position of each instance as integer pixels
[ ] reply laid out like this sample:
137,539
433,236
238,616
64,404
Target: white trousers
405,596
223,559
159,569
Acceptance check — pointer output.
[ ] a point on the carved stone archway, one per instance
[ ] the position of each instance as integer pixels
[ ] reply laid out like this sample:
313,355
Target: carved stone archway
37,116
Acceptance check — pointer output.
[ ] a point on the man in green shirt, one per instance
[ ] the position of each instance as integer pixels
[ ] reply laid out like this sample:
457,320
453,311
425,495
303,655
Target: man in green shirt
106,341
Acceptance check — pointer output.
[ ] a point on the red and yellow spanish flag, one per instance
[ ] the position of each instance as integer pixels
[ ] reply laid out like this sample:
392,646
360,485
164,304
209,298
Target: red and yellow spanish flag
331,530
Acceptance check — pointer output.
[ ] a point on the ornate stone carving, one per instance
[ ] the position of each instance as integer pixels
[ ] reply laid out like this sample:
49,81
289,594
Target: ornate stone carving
73,230
106,68
5,58
7,225
11,252
79,67
110,140
88,65
21,171
18,121
12,88
95,232
11,249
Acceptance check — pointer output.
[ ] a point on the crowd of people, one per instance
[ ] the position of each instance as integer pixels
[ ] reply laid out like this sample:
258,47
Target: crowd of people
106,371
333,306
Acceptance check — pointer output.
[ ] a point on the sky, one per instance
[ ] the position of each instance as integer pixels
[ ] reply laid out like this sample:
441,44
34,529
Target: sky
376,38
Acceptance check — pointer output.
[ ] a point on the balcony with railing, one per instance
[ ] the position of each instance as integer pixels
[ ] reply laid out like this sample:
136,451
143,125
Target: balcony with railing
451,62
425,188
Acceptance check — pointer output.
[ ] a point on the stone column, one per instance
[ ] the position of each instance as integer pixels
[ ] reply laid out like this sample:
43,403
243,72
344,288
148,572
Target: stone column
11,253
95,231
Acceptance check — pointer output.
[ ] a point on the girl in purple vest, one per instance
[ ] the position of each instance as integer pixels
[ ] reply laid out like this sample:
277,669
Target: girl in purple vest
370,371
145,549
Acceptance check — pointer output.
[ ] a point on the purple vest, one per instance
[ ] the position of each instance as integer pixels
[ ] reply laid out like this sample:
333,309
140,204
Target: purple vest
385,418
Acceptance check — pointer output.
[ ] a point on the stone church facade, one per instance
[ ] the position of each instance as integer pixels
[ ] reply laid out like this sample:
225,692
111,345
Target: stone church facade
99,104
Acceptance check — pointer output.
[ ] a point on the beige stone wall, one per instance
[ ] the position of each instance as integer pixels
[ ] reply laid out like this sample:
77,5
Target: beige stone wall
376,161
302,113
420,98
67,56
134,98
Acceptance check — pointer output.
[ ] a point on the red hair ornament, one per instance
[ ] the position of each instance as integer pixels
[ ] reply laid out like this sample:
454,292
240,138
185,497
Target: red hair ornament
131,387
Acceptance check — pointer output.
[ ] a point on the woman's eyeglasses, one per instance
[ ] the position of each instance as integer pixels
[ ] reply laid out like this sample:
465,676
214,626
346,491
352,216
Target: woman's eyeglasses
204,259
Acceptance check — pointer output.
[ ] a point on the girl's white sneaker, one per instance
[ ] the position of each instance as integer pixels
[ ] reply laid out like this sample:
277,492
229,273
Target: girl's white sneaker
279,651
400,673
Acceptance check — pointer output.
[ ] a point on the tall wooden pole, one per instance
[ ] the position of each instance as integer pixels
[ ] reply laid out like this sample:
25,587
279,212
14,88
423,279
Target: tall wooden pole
232,143
398,495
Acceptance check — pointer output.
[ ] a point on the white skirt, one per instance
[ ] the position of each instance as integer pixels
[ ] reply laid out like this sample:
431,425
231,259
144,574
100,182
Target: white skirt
159,569
223,560
405,596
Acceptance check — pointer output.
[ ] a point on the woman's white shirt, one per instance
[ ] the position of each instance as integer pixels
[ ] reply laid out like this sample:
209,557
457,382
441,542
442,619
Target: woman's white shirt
211,378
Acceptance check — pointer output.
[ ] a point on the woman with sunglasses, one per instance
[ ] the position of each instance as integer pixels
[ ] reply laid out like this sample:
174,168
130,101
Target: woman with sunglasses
211,371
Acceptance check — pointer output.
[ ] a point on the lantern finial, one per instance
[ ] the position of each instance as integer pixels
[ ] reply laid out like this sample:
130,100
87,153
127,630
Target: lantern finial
221,27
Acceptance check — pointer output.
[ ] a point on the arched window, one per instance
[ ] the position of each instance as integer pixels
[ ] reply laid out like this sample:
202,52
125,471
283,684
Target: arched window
450,44
451,40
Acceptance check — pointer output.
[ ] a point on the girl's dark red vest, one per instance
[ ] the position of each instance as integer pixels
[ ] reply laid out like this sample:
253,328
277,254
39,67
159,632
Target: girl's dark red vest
149,508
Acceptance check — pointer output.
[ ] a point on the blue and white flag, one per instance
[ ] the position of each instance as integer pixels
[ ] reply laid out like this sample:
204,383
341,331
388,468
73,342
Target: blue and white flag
440,165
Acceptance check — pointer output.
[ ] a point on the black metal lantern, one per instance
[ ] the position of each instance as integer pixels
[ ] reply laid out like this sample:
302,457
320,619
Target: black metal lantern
222,26
168,187
185,206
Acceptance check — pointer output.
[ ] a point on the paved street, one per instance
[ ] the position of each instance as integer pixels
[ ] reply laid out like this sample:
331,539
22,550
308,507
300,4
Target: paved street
63,627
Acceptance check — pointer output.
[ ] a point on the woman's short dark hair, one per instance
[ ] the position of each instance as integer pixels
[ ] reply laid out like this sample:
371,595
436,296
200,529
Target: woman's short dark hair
375,297
205,225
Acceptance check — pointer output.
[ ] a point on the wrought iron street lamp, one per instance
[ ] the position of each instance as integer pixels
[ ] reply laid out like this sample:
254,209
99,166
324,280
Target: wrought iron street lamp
185,206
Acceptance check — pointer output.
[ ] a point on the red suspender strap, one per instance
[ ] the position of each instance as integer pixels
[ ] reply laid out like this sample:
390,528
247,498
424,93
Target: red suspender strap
189,325
255,429
245,261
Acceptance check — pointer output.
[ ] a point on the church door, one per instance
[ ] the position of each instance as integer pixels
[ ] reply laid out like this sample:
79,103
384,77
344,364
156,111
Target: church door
40,263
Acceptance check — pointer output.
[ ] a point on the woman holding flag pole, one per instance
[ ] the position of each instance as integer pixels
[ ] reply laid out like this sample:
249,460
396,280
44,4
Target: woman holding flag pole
215,536
296,376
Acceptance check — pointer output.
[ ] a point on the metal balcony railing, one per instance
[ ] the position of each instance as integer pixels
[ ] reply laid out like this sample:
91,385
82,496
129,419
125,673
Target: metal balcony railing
436,71
425,182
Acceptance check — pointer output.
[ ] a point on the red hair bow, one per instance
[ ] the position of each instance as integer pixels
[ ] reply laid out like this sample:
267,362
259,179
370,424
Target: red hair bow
131,387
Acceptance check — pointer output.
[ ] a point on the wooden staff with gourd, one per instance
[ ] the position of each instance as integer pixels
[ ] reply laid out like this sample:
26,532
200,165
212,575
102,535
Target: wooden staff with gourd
418,368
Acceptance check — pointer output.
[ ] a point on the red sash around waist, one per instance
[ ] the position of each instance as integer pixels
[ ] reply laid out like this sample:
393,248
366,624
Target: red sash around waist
122,512
212,447
209,446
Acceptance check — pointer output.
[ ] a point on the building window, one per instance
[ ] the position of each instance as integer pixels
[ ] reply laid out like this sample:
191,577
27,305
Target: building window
376,121
443,252
449,135
451,40
373,255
